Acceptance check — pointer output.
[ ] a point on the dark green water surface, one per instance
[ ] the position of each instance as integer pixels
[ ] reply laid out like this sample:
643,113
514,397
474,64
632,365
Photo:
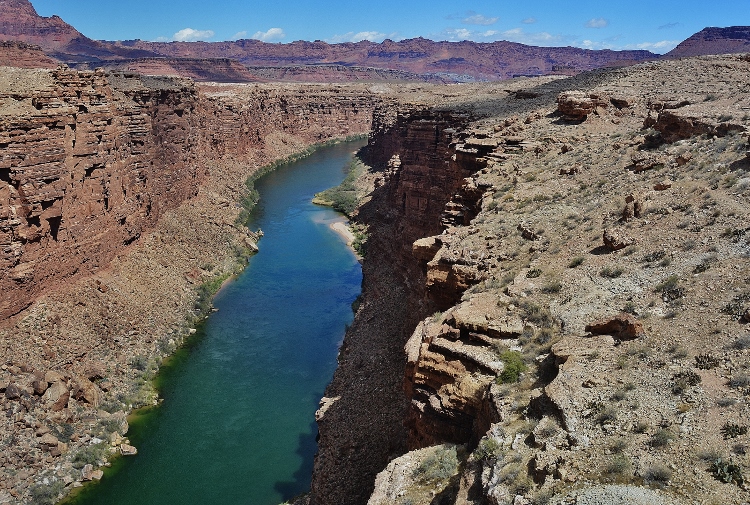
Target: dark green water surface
237,422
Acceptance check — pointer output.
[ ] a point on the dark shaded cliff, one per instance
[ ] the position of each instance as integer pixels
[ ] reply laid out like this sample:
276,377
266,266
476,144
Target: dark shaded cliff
361,423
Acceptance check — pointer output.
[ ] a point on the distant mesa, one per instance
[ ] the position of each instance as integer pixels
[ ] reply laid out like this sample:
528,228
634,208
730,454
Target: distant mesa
730,40
246,60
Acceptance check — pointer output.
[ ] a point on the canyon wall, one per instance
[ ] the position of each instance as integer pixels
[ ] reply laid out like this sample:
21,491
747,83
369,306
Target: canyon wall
119,202
86,167
412,150
91,160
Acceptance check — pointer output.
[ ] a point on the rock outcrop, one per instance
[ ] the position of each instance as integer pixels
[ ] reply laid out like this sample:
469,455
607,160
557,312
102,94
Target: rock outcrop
80,162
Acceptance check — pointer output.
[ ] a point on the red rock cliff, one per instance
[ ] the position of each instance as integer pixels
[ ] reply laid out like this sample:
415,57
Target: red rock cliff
413,150
89,161
85,167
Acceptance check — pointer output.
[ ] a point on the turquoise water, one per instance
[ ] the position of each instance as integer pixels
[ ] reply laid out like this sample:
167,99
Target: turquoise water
237,422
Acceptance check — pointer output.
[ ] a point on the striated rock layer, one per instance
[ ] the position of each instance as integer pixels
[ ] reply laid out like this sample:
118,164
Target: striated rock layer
90,161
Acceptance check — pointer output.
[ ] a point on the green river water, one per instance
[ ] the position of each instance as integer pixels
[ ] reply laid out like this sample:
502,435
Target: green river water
237,422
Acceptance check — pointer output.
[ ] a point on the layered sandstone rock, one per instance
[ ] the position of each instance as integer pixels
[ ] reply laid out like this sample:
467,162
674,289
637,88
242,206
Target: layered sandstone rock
86,167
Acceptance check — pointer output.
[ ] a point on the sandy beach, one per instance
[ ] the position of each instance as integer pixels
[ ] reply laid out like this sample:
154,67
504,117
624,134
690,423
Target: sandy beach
342,228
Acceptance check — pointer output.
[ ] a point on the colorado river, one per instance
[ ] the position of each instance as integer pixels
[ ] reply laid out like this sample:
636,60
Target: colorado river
237,422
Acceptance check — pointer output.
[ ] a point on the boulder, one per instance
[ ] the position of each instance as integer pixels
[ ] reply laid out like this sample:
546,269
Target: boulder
647,161
57,396
663,185
623,326
425,249
88,473
746,316
53,376
48,441
633,207
40,386
85,390
577,105
128,450
615,239
527,232
13,391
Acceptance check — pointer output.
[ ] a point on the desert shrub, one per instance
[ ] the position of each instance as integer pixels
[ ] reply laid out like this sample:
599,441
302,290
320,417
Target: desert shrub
739,380
533,273
661,438
618,464
576,262
657,474
535,314
611,272
607,415
670,289
63,431
544,336
654,256
488,449
742,342
725,402
552,287
706,361
732,430
46,494
442,464
678,352
727,472
736,307
641,427
683,380
139,362
89,455
514,367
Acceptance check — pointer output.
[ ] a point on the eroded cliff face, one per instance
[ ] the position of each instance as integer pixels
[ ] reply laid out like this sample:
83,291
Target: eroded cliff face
91,160
86,168
361,421
597,346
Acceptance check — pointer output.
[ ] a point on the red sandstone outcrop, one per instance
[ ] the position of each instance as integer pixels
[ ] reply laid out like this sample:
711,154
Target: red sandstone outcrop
23,55
81,162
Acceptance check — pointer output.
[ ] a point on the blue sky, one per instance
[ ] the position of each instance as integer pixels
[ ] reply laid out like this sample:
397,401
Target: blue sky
596,24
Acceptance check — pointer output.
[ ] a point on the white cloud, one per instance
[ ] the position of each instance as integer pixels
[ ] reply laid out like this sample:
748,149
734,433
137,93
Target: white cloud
529,21
239,35
190,35
663,46
512,35
479,19
270,35
597,23
372,36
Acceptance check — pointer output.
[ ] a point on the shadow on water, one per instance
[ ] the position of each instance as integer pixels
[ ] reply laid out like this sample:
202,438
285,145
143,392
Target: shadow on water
307,446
